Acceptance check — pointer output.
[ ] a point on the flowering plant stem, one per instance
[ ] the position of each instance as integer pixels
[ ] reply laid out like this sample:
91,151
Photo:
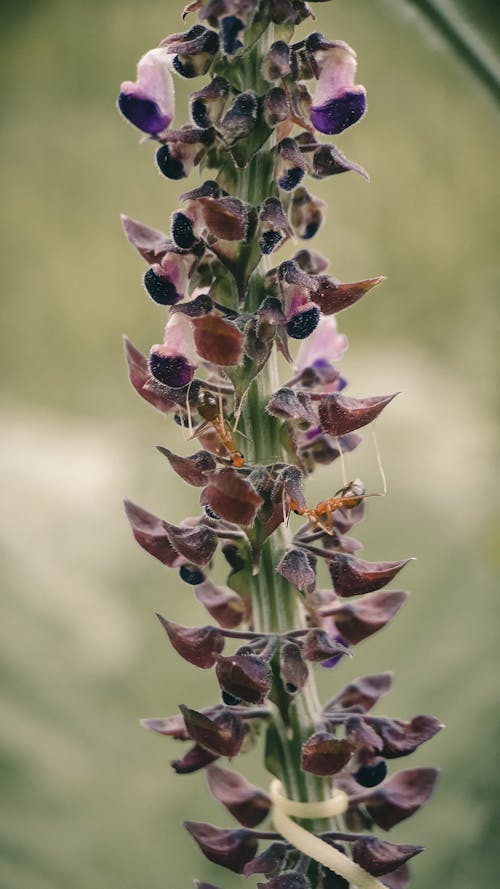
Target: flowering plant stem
230,313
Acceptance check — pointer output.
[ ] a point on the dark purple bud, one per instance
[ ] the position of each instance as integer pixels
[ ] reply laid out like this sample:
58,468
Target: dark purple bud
328,160
318,646
207,104
379,857
228,848
197,545
199,645
231,26
221,735
191,575
245,677
273,227
191,469
306,215
172,370
276,64
138,371
362,736
276,107
149,532
195,759
161,289
299,568
353,577
332,297
289,405
222,604
232,497
323,754
193,51
247,803
151,243
290,164
148,103
182,231
269,862
401,738
241,118
361,618
218,340
373,774
293,670
303,323
340,414
287,880
398,797
361,694
310,261
172,726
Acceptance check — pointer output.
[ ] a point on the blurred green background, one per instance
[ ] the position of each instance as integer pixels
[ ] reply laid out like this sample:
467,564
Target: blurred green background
88,799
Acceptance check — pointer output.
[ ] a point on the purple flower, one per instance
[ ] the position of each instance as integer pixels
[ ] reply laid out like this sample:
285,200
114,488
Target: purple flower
174,361
337,103
149,103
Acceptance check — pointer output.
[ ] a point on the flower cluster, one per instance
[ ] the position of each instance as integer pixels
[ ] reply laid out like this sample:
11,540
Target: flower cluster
254,133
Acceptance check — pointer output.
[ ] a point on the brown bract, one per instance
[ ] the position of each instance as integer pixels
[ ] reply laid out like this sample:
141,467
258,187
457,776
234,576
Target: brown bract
361,694
232,497
149,532
323,754
199,645
191,469
197,545
332,297
398,797
340,414
228,848
379,857
354,577
247,803
245,677
218,341
299,568
222,604
221,735
361,618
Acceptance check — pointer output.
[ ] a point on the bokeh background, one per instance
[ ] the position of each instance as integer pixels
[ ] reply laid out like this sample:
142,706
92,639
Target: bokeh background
87,798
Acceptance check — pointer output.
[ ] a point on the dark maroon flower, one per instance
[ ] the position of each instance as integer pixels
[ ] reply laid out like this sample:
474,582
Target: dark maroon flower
247,803
207,104
149,102
195,759
353,577
398,797
222,604
245,677
138,371
269,862
379,857
232,497
318,646
150,533
228,848
289,405
362,735
193,51
276,107
197,544
328,160
290,164
293,670
221,735
273,228
276,64
241,118
299,568
340,414
400,738
191,469
198,645
361,618
182,151
324,754
361,694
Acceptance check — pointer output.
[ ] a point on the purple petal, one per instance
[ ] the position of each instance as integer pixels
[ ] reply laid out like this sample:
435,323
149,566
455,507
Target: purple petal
149,102
340,112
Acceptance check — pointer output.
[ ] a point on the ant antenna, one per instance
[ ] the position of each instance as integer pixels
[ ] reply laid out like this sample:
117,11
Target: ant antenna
342,462
379,463
189,416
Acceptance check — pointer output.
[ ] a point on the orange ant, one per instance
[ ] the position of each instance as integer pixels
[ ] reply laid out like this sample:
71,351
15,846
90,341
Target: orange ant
211,410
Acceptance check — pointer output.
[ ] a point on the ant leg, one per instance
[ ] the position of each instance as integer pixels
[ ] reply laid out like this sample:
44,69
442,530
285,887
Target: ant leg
379,463
342,462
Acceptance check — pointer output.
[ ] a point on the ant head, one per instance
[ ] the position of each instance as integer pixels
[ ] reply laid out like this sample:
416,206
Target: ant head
238,459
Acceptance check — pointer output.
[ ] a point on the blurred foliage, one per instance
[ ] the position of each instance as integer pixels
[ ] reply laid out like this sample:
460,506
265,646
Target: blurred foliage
88,800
